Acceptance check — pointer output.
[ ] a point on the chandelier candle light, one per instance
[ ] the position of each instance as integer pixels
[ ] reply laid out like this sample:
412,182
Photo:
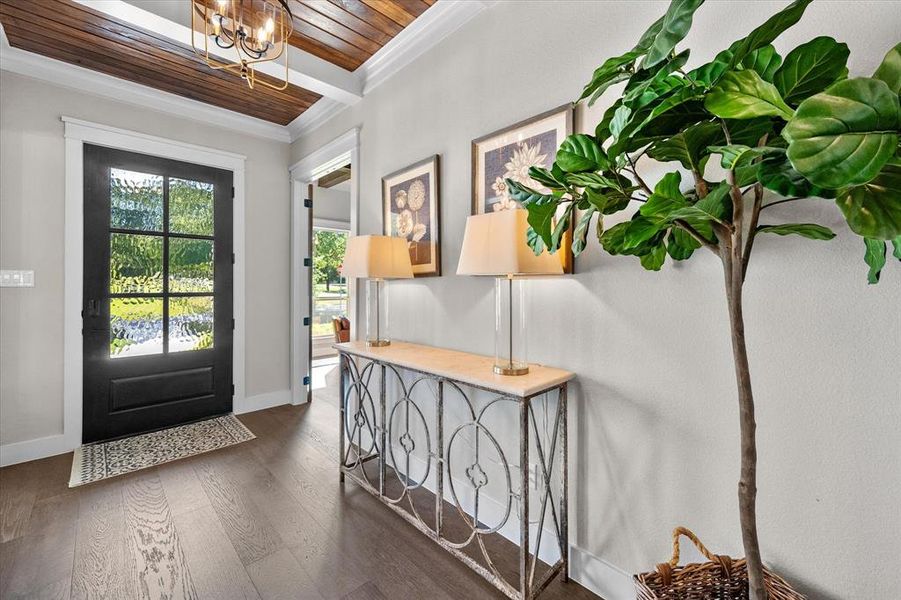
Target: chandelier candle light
256,30
377,258
494,244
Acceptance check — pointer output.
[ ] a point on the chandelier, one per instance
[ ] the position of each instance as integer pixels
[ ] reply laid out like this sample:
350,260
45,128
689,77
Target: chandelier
255,31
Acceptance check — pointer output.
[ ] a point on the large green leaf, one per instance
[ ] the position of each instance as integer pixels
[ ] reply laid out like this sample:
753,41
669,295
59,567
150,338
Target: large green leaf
547,178
607,201
648,83
640,231
776,173
765,60
580,233
768,31
810,68
734,156
619,122
844,136
710,73
896,244
580,152
666,199
749,131
745,95
619,68
716,206
561,227
667,115
680,245
653,260
689,147
675,26
890,69
874,208
541,207
613,240
874,256
808,230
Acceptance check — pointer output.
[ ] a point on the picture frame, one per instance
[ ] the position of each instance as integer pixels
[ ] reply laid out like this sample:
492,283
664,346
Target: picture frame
509,152
411,208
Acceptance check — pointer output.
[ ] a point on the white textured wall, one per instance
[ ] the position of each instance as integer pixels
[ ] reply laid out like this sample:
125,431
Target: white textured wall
32,178
654,418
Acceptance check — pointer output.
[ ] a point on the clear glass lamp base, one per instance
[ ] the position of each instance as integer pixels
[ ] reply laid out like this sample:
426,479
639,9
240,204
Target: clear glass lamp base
511,369
378,343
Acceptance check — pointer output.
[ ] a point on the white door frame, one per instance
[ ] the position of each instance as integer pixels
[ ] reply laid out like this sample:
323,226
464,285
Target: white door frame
78,133
334,155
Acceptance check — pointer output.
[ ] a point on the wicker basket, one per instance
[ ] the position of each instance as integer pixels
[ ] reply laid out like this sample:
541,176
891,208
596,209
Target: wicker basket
722,578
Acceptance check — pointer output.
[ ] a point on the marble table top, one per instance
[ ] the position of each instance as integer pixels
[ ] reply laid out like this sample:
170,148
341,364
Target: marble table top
473,369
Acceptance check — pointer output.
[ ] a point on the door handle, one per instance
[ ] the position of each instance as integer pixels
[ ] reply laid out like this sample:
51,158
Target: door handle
92,309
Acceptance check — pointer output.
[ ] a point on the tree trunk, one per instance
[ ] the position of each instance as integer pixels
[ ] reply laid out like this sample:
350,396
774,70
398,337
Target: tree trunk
747,485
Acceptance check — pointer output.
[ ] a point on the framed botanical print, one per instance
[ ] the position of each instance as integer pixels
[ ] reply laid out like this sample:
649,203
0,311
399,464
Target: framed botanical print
508,154
410,208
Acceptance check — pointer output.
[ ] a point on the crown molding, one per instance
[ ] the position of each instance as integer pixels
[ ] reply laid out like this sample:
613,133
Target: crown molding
321,111
420,36
417,38
78,78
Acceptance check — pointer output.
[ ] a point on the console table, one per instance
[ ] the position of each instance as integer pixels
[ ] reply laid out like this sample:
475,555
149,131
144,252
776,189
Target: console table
379,438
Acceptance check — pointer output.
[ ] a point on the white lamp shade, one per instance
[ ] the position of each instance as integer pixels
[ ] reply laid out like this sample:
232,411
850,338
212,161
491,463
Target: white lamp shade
495,244
377,257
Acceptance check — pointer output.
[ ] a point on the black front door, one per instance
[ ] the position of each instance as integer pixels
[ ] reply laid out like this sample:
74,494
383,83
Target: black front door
157,293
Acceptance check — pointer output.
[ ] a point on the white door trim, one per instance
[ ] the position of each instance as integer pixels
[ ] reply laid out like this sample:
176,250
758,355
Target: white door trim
78,133
334,155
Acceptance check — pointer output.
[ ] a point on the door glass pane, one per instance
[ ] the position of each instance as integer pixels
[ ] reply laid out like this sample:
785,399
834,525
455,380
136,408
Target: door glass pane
136,326
190,207
190,265
136,200
190,323
135,264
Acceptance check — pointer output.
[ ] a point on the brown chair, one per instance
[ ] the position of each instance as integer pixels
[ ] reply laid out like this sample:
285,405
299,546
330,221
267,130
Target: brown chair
342,329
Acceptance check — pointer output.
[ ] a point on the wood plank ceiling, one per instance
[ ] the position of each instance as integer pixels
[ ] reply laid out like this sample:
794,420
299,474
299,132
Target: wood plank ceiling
343,32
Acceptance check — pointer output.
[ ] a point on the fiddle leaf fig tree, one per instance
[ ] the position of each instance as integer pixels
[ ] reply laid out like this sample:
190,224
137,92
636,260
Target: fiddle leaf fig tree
743,133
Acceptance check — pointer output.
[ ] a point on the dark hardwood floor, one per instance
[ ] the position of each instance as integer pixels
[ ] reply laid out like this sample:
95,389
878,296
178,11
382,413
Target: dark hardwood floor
264,519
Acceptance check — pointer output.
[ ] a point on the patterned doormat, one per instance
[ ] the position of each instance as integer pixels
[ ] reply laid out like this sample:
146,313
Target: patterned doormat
109,459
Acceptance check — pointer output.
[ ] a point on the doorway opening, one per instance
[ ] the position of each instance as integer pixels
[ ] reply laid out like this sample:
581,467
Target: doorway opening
330,321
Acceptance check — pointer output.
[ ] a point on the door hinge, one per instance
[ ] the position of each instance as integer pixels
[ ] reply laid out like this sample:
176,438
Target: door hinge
233,192
306,320
307,262
233,258
308,203
306,380
233,389
233,324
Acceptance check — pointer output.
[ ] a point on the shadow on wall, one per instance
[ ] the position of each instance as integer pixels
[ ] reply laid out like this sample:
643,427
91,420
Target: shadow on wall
623,492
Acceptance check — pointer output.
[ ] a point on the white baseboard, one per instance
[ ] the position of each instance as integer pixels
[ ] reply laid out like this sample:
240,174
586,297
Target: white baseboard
261,401
19,452
599,576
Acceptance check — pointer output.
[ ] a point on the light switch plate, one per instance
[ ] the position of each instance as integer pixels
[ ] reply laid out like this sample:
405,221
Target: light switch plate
16,278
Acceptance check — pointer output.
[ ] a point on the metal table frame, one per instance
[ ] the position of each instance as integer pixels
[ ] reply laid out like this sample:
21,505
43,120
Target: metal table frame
370,415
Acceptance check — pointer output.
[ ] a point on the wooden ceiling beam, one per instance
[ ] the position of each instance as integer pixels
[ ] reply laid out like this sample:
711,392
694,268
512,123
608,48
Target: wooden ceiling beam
335,177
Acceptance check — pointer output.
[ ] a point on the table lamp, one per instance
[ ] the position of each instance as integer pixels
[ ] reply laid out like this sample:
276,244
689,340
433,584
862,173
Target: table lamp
494,244
377,258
